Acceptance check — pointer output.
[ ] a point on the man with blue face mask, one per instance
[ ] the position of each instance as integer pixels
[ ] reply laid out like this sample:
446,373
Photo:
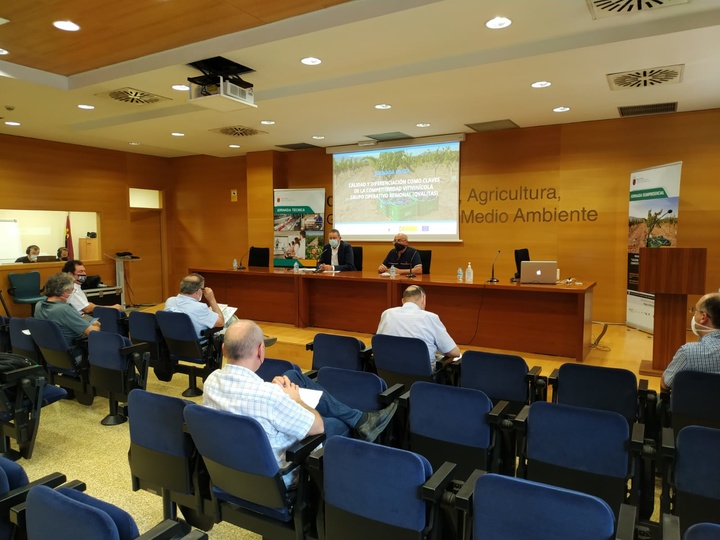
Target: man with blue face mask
703,355
337,255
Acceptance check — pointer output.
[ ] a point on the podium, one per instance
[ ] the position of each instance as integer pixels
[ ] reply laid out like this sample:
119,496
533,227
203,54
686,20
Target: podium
670,274
120,275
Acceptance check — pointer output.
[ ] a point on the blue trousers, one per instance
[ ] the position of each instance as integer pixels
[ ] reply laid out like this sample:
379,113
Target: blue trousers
337,417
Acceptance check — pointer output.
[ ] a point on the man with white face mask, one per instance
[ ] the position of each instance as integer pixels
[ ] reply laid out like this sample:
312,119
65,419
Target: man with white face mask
703,355
337,255
203,316
78,299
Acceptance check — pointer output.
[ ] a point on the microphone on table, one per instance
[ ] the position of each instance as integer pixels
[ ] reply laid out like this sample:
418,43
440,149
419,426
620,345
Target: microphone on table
493,279
240,266
319,268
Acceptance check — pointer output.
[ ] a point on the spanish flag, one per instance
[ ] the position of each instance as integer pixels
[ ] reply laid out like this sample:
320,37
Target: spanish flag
68,239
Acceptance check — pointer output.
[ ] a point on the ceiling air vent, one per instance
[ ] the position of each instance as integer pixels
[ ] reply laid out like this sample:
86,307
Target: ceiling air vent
642,78
494,125
643,110
133,95
238,131
609,8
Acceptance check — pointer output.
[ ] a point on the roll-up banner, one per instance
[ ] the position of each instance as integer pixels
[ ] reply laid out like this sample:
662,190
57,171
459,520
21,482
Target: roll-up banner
299,226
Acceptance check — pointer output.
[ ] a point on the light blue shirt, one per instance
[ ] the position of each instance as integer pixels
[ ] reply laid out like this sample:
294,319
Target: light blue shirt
703,355
411,321
200,314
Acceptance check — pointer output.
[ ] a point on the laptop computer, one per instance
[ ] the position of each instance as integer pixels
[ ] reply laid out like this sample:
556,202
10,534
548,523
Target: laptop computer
543,272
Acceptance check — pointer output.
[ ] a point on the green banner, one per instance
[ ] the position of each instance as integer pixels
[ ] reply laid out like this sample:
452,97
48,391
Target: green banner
653,193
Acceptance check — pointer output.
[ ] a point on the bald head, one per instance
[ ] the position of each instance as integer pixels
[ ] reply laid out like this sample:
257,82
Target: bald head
710,304
244,344
414,294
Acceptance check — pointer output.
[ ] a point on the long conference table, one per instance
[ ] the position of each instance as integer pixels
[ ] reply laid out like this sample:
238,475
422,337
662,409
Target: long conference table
543,319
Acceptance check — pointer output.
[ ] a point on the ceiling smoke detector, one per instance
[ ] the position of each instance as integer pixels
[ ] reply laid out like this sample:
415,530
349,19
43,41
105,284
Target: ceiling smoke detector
643,78
239,131
133,95
609,8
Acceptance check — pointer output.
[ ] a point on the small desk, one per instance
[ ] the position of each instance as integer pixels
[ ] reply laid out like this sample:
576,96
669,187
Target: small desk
544,319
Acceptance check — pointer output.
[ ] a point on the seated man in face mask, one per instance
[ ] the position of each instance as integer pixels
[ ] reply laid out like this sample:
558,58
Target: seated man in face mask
337,255
31,255
59,287
702,355
405,259
78,300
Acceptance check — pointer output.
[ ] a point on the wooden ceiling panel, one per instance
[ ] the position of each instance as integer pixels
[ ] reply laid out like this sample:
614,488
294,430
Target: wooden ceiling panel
113,32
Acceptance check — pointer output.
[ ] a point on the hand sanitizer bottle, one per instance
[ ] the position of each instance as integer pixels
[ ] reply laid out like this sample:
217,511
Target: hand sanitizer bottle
296,267
469,274
392,270
459,274
235,265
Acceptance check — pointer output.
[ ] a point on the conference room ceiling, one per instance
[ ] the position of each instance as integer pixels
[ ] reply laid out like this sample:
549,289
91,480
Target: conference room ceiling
434,61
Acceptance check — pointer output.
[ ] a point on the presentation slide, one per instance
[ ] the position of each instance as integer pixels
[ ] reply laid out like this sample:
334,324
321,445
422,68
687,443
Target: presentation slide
413,190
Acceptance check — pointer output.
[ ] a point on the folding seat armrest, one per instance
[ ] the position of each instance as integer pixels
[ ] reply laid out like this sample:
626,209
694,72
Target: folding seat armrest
211,331
309,346
404,400
299,451
391,394
195,535
165,530
533,373
670,527
435,486
312,374
12,504
498,413
637,438
627,518
520,420
77,485
463,498
642,386
553,381
138,348
667,441
315,460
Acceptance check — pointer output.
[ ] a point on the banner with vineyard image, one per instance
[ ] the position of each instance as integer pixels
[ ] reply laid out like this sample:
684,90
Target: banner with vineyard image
653,223
299,226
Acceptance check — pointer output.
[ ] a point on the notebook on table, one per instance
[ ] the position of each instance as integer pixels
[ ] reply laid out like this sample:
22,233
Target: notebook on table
542,272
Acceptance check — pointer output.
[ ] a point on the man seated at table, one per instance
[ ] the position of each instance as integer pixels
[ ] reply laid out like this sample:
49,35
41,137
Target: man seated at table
405,259
192,289
58,288
412,320
31,255
277,405
337,255
702,355
78,300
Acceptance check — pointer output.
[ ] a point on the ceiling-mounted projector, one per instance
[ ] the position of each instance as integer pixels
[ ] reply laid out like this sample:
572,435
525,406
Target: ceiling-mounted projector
220,87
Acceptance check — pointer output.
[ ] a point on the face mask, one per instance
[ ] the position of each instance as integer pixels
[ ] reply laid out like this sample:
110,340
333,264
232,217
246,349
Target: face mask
32,257
399,247
696,327
81,279
334,243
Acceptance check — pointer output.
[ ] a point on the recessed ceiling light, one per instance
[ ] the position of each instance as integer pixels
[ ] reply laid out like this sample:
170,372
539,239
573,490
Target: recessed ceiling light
176,134
12,123
498,22
311,61
318,137
86,107
134,144
180,87
4,52
561,109
234,146
267,122
422,125
541,84
383,106
68,26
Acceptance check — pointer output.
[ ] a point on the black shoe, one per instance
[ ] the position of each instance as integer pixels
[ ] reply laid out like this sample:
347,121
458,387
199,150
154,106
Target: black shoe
375,423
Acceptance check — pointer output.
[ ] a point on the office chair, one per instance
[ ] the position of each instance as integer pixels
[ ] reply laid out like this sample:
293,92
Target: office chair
112,320
374,491
23,394
582,449
358,256
259,256
25,289
203,355
691,478
504,508
247,484
272,367
116,368
62,368
163,458
69,514
426,259
520,256
144,328
22,343
332,350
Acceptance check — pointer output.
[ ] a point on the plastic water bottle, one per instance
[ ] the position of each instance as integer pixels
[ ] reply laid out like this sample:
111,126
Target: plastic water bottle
235,265
459,274
469,274
392,270
296,267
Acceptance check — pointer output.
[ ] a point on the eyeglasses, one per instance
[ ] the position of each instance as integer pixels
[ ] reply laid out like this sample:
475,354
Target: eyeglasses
694,310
